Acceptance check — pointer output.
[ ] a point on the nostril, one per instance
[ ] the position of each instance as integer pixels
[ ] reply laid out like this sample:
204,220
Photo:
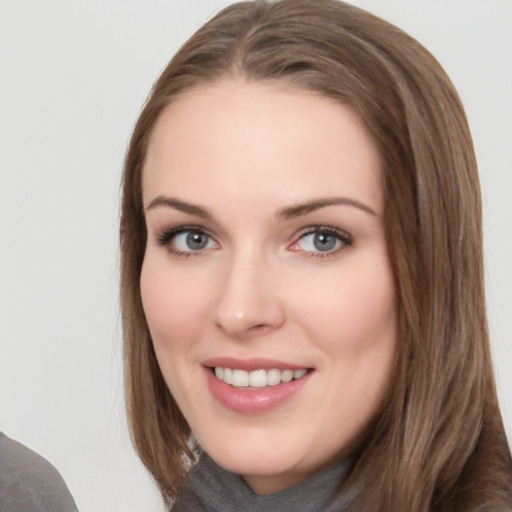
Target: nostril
259,329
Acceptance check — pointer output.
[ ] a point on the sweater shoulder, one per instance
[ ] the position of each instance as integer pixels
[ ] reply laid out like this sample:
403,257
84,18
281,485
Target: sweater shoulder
29,483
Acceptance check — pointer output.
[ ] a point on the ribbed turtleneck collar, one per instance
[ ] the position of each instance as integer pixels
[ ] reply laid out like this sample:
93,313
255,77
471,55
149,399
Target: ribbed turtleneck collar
210,488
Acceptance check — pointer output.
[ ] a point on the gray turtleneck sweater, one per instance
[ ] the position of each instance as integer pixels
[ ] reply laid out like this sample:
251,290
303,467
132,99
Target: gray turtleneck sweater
210,488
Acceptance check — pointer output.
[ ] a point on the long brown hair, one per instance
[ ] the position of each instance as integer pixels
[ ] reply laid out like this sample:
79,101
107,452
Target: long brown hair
439,442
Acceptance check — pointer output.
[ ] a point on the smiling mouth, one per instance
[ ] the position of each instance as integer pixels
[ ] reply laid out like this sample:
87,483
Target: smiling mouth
257,378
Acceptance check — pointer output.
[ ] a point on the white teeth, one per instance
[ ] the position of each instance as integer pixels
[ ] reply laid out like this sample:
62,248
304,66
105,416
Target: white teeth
257,378
297,374
240,378
228,376
287,376
273,377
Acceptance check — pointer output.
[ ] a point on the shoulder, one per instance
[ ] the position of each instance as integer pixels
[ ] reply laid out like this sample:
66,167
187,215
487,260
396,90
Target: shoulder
29,483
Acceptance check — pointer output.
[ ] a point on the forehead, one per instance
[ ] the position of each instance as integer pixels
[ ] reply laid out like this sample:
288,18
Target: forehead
255,138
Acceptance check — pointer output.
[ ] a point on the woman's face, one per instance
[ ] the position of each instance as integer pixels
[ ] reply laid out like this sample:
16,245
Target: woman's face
266,281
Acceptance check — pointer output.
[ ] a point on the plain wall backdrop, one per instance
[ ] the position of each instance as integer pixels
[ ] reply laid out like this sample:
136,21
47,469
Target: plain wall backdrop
73,77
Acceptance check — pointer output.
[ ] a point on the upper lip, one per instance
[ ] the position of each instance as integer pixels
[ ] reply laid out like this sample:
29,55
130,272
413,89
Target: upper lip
250,364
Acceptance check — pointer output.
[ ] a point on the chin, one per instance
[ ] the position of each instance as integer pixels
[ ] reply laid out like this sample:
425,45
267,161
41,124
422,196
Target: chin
259,455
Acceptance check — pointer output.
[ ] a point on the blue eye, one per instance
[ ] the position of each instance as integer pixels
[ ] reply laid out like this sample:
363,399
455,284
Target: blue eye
322,241
186,241
191,241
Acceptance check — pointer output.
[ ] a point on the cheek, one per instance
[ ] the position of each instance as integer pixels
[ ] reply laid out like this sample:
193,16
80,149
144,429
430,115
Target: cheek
352,309
173,304
352,320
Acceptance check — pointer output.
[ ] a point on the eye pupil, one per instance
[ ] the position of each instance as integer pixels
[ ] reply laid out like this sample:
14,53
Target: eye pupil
196,241
324,242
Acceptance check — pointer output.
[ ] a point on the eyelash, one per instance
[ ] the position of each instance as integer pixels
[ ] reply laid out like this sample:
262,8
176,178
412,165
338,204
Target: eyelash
344,239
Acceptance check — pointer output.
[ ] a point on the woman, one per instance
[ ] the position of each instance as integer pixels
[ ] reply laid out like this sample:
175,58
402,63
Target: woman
302,282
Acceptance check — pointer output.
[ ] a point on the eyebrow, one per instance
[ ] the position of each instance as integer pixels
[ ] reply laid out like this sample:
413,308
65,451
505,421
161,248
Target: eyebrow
289,212
181,206
298,210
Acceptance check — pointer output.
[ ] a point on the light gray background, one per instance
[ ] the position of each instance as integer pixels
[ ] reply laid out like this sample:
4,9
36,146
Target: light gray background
73,76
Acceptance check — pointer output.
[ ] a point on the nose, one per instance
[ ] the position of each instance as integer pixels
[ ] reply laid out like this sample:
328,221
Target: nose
248,303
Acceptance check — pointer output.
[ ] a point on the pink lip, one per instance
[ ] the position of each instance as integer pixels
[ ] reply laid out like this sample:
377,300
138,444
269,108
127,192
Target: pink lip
246,401
249,365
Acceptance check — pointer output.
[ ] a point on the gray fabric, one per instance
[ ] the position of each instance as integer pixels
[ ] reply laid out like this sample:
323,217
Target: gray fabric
29,483
209,488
